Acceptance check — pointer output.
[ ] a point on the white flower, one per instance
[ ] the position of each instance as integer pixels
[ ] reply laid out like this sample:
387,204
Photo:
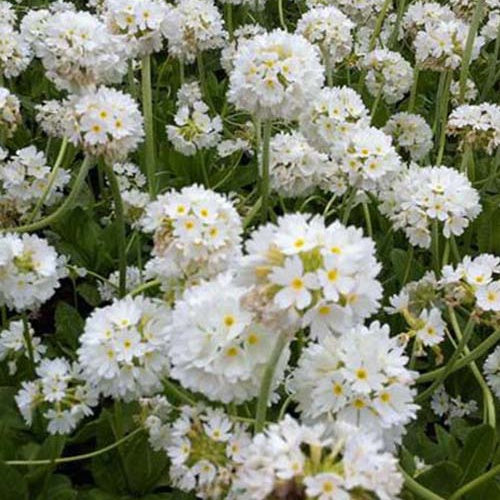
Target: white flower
275,75
193,26
7,13
470,94
492,370
411,133
432,331
10,115
421,195
326,486
108,290
30,270
241,35
330,29
228,147
123,349
388,74
359,378
361,11
488,297
15,54
217,348
490,30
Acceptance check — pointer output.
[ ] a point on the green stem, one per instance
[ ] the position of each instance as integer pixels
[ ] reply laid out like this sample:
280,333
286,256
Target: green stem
267,380
144,287
368,220
444,116
264,182
228,8
63,208
120,220
51,180
376,102
147,108
378,24
490,80
416,488
435,246
446,253
281,15
469,44
252,212
348,206
76,458
408,266
27,340
413,92
399,17
466,488
176,392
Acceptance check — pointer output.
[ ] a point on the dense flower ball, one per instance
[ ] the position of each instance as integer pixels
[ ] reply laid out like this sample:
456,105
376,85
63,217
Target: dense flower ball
10,115
202,444
216,347
477,126
241,35
331,116
302,271
24,178
297,459
123,349
421,196
197,234
138,21
330,29
193,26
296,168
78,52
410,133
361,11
15,54
30,270
388,74
105,123
194,129
422,14
492,370
60,392
359,378
275,75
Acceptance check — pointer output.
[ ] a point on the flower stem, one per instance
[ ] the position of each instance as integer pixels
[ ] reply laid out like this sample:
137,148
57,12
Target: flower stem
63,208
120,220
264,181
419,490
145,286
444,115
281,15
413,92
147,108
368,219
267,380
27,340
472,485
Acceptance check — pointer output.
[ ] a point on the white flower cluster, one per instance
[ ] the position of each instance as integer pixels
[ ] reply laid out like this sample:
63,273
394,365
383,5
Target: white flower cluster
445,406
135,198
30,270
13,345
10,114
24,178
388,74
197,234
139,22
60,392
492,370
361,11
331,117
275,75
422,14
216,347
490,29
108,290
479,277
477,126
15,54
295,168
241,35
359,378
423,195
330,29
470,94
297,460
194,129
123,349
411,133
78,52
203,445
193,26
317,276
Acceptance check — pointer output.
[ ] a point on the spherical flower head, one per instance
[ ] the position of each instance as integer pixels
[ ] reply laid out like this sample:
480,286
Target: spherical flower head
193,26
330,117
123,349
411,134
316,276
388,74
420,196
360,378
294,458
106,123
490,29
139,22
30,270
275,75
360,11
477,126
197,233
369,159
60,393
241,35
296,168
78,52
7,13
10,114
216,346
423,14
492,370
330,29
15,54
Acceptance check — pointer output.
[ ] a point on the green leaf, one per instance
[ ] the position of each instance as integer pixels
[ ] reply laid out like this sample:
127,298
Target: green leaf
442,478
477,452
59,487
13,485
69,324
89,293
447,443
